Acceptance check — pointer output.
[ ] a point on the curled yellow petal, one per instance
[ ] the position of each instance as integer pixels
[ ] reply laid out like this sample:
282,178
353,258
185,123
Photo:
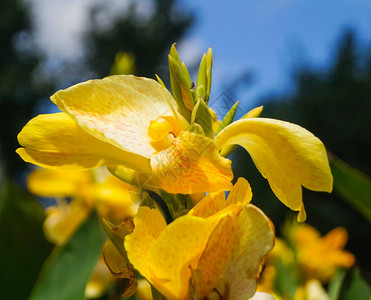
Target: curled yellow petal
286,154
192,164
56,141
241,192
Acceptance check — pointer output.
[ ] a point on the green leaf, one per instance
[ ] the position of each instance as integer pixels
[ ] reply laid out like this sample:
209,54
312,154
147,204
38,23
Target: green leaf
67,270
186,74
335,285
115,239
355,287
201,76
181,79
174,53
352,185
201,115
286,283
23,247
209,66
159,80
228,118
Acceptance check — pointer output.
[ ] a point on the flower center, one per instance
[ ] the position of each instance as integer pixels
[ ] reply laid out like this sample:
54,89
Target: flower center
162,132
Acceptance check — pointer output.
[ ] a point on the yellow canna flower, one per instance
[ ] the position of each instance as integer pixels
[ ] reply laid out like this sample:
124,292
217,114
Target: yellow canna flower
214,251
318,256
130,121
113,199
287,155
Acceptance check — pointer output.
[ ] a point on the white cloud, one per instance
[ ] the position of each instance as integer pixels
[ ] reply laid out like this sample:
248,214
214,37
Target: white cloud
59,24
191,49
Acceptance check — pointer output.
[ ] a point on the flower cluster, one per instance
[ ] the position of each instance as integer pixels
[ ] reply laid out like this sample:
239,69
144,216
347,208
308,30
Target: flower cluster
187,241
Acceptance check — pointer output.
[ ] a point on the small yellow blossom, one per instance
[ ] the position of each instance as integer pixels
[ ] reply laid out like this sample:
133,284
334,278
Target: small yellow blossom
112,198
213,251
319,257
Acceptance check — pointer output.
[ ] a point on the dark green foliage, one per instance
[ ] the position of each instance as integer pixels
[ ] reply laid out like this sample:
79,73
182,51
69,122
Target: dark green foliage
69,267
23,247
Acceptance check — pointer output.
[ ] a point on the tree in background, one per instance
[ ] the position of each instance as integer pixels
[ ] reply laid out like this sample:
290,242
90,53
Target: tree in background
20,86
334,104
148,39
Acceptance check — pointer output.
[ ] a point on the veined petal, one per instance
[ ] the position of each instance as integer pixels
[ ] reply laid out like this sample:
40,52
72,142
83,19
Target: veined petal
241,192
209,205
286,154
192,164
56,183
56,141
148,223
117,109
176,251
214,202
234,252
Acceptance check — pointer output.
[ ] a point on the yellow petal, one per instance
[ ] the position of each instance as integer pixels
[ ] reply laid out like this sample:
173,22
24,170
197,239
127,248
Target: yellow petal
286,154
241,192
192,164
62,221
234,252
209,205
117,109
149,223
56,141
56,183
254,113
214,202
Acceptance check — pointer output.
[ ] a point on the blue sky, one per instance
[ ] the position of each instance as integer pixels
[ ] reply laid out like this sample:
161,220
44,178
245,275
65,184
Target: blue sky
267,37
270,37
